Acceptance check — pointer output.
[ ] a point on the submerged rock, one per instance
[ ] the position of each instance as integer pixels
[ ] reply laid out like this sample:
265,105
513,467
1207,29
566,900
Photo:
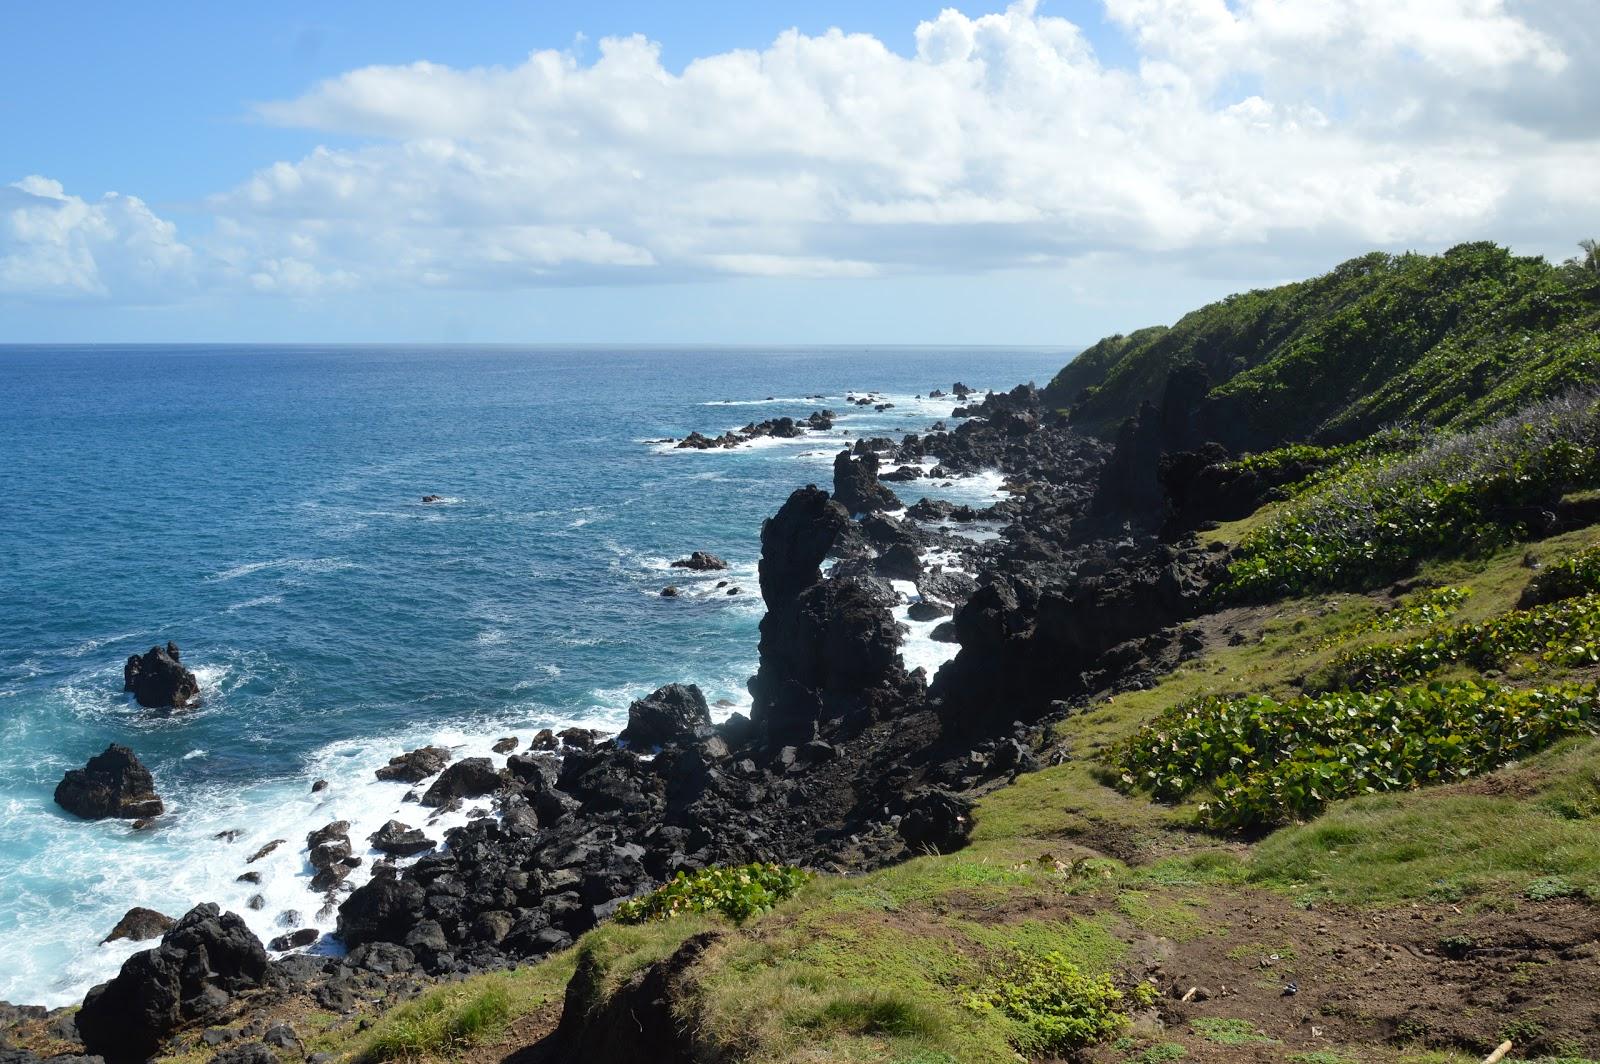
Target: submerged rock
112,784
158,680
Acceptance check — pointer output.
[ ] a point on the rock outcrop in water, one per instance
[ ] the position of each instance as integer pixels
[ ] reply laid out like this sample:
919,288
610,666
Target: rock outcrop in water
158,679
112,784
701,562
204,959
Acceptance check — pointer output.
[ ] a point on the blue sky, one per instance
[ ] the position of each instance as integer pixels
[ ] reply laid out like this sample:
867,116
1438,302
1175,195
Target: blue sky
1026,174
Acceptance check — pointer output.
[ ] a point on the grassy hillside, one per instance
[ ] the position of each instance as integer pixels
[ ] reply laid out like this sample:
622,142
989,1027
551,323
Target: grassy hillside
1451,339
1419,926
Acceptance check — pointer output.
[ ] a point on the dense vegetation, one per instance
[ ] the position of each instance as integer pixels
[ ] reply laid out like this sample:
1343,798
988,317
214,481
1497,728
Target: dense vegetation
1577,574
1565,632
1465,493
1270,762
1449,340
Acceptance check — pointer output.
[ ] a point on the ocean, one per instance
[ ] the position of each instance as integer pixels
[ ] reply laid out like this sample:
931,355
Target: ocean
261,506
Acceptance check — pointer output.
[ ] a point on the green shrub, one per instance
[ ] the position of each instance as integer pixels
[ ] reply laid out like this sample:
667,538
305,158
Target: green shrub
1571,577
440,1022
1421,609
1566,632
1061,1007
736,891
1462,495
1269,762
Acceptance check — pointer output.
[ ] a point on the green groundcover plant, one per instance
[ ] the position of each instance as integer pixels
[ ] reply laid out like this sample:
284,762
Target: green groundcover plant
1271,762
1565,633
1575,575
1059,1006
737,892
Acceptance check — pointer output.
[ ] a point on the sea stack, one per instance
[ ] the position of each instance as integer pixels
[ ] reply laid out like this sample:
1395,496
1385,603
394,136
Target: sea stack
112,784
158,680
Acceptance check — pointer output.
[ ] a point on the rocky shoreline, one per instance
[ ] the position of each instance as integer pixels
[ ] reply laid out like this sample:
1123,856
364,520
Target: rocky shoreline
848,760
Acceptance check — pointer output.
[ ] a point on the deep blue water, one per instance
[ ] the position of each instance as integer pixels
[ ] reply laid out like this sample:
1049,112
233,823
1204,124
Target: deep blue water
261,506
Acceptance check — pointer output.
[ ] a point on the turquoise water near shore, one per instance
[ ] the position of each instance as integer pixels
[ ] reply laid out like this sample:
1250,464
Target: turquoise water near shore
261,507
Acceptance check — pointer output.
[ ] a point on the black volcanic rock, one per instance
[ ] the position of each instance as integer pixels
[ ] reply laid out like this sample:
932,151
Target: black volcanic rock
112,784
400,840
381,910
839,657
670,713
158,680
469,778
795,540
700,562
206,958
937,820
415,765
139,924
856,487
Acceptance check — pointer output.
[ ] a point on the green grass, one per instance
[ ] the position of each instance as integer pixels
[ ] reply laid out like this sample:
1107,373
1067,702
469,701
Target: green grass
1444,845
441,1022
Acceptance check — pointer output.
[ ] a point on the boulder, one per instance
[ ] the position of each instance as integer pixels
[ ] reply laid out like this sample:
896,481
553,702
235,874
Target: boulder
203,960
381,910
415,766
937,821
701,562
294,940
472,777
400,840
112,784
670,713
158,680
139,924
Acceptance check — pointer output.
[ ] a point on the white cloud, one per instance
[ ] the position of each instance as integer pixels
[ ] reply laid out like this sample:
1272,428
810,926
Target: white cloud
1002,141
54,245
1275,129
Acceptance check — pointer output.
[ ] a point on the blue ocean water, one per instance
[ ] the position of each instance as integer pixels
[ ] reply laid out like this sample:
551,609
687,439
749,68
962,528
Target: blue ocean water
261,507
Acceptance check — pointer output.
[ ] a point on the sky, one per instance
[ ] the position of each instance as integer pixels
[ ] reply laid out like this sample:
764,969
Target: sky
714,172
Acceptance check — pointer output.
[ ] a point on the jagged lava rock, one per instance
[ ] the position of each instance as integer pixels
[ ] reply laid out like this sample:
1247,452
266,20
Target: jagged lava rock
856,486
416,765
158,679
700,561
469,778
203,960
112,784
670,713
